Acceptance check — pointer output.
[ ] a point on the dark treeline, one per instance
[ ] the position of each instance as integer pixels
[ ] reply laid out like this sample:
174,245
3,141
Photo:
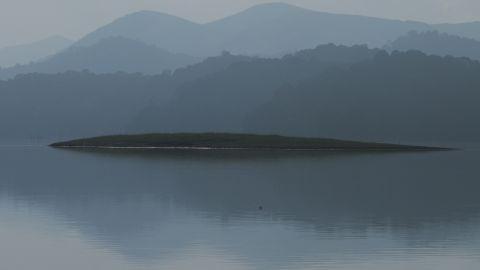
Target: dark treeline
330,91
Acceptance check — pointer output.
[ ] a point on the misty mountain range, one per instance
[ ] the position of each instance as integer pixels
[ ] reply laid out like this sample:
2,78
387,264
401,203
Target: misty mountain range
109,55
151,72
268,30
433,42
24,54
329,91
262,30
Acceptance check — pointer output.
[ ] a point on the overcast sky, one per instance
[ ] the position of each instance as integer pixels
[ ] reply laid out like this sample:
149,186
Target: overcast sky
23,21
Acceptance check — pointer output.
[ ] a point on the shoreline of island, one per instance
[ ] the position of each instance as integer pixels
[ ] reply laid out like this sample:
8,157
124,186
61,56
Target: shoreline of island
231,141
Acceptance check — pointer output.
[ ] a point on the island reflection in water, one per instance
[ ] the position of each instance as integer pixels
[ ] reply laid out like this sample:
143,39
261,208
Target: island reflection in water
238,210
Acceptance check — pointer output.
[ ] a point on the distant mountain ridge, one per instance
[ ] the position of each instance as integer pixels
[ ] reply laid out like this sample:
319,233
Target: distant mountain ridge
433,42
109,55
149,27
26,53
266,29
468,30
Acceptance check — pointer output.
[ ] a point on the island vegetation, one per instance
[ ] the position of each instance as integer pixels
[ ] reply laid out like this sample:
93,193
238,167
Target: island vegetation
229,141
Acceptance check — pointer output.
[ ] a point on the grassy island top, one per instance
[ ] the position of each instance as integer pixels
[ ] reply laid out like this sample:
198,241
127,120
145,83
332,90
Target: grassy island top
229,141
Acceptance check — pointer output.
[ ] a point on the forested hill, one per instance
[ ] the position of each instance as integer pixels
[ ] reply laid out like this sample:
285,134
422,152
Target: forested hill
59,106
331,91
221,100
77,104
398,96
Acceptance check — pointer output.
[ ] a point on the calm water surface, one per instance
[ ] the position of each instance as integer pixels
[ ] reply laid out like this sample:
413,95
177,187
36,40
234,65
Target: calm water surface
113,210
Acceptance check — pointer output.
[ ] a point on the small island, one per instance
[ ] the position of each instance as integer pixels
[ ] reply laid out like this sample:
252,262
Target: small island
231,141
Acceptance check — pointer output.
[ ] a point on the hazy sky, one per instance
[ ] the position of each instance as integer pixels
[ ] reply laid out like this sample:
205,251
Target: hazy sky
24,21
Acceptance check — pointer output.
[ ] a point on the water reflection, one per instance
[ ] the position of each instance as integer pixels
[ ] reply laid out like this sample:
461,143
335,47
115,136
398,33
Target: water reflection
320,210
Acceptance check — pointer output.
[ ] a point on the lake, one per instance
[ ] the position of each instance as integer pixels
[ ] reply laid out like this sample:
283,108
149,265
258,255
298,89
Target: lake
229,210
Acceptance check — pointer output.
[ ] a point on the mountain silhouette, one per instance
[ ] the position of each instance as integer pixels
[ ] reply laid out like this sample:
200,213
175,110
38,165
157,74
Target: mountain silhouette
266,29
26,53
469,29
154,28
433,42
109,55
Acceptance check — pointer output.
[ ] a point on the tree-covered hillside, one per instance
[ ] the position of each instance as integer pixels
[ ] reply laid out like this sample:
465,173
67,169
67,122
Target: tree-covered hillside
330,91
221,100
59,106
399,96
